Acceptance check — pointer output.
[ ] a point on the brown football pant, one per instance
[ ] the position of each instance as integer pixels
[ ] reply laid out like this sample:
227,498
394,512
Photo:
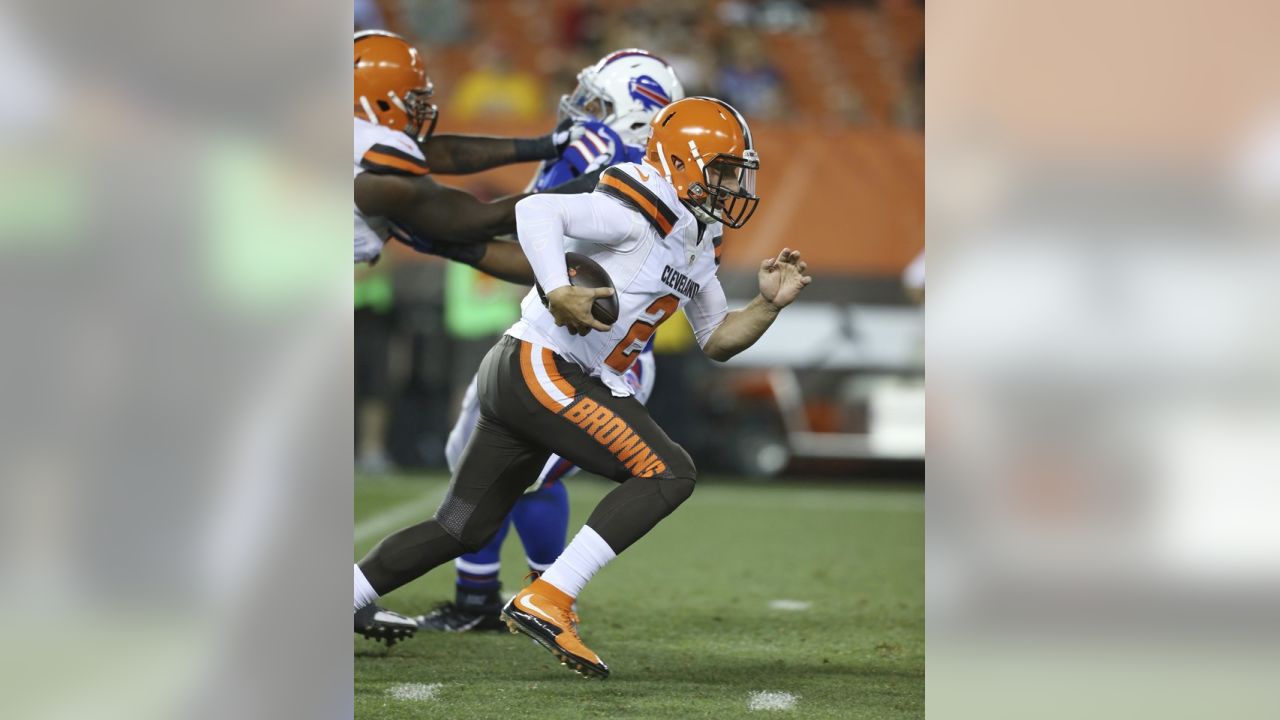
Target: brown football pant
533,403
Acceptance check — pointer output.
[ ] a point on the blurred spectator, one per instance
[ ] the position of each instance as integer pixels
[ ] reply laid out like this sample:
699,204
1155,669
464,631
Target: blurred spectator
565,77
369,16
913,96
580,28
768,15
439,22
748,80
735,13
684,37
692,65
783,16
913,279
374,328
495,89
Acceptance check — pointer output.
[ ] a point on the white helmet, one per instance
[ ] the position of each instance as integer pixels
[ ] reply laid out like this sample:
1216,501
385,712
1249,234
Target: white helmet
624,91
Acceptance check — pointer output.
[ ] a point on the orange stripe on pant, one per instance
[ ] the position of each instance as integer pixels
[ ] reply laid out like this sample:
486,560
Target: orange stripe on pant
531,380
549,365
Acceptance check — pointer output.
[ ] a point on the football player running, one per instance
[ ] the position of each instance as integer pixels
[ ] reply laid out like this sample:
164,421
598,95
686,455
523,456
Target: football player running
395,197
556,381
610,110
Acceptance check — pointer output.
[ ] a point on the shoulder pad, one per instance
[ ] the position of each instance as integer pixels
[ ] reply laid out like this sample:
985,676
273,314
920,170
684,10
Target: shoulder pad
629,184
390,152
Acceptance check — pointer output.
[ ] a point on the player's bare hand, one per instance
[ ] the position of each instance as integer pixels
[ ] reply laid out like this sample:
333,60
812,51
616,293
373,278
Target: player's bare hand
782,278
571,307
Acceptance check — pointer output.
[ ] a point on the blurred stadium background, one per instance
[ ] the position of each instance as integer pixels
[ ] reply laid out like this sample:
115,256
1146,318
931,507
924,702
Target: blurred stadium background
834,94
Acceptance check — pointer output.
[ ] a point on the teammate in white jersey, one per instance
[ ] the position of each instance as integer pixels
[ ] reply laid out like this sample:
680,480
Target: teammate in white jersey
554,382
394,195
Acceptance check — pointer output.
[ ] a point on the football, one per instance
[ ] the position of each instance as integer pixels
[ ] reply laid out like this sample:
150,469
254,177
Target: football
587,273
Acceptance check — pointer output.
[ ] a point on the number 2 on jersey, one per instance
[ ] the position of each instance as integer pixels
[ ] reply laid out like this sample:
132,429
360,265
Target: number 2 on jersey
624,353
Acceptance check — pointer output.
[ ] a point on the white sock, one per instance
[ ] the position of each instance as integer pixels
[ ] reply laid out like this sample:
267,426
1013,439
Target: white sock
586,554
364,591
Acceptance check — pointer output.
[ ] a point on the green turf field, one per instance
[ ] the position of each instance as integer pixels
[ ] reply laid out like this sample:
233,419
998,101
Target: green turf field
686,618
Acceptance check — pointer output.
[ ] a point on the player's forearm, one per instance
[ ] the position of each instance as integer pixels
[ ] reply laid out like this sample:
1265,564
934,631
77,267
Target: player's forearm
460,218
506,261
741,329
541,221
465,154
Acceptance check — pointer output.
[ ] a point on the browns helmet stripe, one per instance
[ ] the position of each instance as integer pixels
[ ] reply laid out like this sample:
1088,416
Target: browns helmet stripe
621,186
742,122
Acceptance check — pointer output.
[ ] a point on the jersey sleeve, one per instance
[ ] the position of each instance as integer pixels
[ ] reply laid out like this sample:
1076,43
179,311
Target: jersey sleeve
707,310
543,221
394,153
556,173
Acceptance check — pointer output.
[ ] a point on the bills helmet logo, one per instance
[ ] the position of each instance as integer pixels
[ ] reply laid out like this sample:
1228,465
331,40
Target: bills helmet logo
648,92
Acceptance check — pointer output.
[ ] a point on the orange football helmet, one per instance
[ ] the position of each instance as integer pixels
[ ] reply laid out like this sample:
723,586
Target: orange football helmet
703,147
392,87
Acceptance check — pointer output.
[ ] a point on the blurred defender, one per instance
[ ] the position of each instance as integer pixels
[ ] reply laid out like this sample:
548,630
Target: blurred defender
610,110
553,385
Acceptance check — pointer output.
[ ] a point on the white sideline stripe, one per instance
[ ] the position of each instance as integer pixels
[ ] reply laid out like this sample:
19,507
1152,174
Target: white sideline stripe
544,378
376,526
771,700
785,604
414,691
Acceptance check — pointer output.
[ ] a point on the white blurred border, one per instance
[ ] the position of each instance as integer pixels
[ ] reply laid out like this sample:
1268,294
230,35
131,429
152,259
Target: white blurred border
1104,441
177,327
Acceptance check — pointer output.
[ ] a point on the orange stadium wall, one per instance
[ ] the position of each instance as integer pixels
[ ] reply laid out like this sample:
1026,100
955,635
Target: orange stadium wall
851,199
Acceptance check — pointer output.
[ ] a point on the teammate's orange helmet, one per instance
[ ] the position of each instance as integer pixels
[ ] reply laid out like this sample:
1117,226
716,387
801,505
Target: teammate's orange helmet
392,87
703,147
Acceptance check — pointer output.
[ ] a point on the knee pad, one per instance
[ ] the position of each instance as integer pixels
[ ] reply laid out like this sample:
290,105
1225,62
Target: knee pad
679,464
458,518
675,490
677,483
454,514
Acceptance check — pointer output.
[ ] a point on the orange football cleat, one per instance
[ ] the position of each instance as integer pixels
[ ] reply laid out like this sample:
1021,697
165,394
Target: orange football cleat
543,612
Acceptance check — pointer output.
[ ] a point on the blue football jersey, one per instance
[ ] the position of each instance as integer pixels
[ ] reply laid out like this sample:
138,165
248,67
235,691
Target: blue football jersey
597,139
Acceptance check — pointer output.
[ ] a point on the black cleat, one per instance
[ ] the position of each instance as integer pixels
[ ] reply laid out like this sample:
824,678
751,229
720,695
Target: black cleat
377,623
451,617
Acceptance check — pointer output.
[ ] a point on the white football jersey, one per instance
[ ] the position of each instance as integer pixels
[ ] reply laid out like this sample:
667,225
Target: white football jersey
379,149
657,254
